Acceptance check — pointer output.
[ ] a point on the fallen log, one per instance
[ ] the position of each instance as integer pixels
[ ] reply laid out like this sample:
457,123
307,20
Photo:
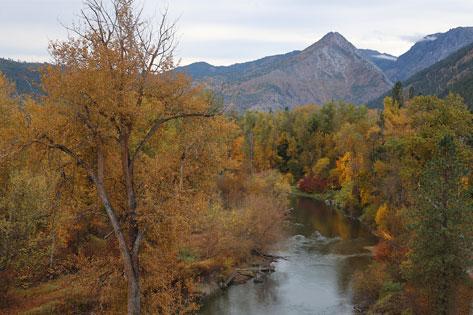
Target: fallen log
226,283
257,269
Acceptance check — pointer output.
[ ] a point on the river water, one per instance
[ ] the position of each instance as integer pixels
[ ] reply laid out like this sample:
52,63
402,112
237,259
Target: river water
324,250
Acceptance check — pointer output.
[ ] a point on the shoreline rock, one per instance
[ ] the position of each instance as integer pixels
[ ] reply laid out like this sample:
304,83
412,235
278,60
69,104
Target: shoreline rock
258,270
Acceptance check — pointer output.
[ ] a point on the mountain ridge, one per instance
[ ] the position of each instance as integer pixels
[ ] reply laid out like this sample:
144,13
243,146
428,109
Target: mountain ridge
331,68
428,51
25,75
452,74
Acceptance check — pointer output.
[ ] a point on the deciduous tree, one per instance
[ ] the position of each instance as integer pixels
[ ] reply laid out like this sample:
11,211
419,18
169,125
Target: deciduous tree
110,93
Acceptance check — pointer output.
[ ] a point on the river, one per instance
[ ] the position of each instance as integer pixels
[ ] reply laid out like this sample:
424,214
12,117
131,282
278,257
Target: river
324,250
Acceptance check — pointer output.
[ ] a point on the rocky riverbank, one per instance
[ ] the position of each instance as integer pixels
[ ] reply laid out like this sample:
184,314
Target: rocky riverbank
260,266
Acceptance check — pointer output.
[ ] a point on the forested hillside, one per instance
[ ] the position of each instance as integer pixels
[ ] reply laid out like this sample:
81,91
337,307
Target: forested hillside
429,50
453,74
25,75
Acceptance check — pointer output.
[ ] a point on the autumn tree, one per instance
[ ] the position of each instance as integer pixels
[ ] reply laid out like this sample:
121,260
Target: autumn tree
110,93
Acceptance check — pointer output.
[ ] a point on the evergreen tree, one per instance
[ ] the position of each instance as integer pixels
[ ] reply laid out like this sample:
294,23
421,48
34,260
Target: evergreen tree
441,228
411,92
397,94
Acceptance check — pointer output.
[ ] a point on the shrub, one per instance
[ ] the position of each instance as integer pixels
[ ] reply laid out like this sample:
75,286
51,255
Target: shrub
312,184
367,285
391,304
251,219
368,216
389,251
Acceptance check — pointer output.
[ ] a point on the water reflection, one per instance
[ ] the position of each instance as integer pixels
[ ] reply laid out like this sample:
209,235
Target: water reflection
325,250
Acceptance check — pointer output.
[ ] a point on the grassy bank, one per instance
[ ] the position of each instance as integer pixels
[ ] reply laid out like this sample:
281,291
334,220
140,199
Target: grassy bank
51,297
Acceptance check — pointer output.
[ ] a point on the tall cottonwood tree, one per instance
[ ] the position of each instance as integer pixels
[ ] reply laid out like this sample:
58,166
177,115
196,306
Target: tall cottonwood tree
109,94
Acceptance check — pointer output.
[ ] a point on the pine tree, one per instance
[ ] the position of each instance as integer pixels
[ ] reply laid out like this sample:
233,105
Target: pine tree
397,94
441,228
411,92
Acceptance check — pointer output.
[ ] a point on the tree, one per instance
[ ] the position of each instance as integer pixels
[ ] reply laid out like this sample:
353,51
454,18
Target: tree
249,122
441,227
109,93
411,92
397,94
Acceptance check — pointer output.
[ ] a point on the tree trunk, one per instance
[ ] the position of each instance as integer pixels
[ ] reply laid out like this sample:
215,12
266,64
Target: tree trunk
53,228
134,297
251,150
181,170
130,265
130,258
128,170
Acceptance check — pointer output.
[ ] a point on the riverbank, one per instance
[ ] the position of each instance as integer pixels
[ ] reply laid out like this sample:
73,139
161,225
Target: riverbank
327,197
257,269
316,196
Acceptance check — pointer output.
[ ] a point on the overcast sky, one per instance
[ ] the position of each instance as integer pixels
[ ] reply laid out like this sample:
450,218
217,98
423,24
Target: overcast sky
223,32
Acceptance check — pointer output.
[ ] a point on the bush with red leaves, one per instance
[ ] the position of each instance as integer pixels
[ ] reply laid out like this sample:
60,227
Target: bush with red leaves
312,184
388,251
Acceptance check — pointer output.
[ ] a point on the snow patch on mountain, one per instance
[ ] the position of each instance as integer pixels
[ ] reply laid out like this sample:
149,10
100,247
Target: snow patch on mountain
386,57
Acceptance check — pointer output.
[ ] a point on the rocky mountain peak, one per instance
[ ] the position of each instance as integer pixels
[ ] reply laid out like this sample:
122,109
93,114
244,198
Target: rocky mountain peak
332,39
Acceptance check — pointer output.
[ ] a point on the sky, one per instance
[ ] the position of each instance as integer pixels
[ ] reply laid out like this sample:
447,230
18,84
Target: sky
224,32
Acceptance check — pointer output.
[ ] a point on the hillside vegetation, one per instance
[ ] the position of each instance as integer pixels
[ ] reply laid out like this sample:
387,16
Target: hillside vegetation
453,74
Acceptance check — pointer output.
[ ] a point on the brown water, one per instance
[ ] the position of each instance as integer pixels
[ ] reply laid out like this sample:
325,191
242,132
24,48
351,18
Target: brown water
324,251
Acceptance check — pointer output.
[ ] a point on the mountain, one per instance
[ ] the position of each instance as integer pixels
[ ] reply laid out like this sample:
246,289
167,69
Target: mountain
382,60
25,75
428,51
330,69
453,74
201,70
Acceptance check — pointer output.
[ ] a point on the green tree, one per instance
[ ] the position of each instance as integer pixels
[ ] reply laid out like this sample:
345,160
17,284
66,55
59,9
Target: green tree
441,227
411,92
397,94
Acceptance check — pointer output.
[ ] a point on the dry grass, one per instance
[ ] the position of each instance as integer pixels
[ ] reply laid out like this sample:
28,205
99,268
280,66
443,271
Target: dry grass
53,297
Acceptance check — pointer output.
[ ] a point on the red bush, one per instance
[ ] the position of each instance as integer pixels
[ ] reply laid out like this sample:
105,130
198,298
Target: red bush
383,251
312,184
388,251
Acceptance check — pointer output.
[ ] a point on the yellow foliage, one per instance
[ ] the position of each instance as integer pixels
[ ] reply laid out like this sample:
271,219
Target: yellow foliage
252,219
380,167
384,220
397,121
321,166
381,215
344,168
365,196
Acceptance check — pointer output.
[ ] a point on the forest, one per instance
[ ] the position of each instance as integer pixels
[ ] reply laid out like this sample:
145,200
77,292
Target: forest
126,188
